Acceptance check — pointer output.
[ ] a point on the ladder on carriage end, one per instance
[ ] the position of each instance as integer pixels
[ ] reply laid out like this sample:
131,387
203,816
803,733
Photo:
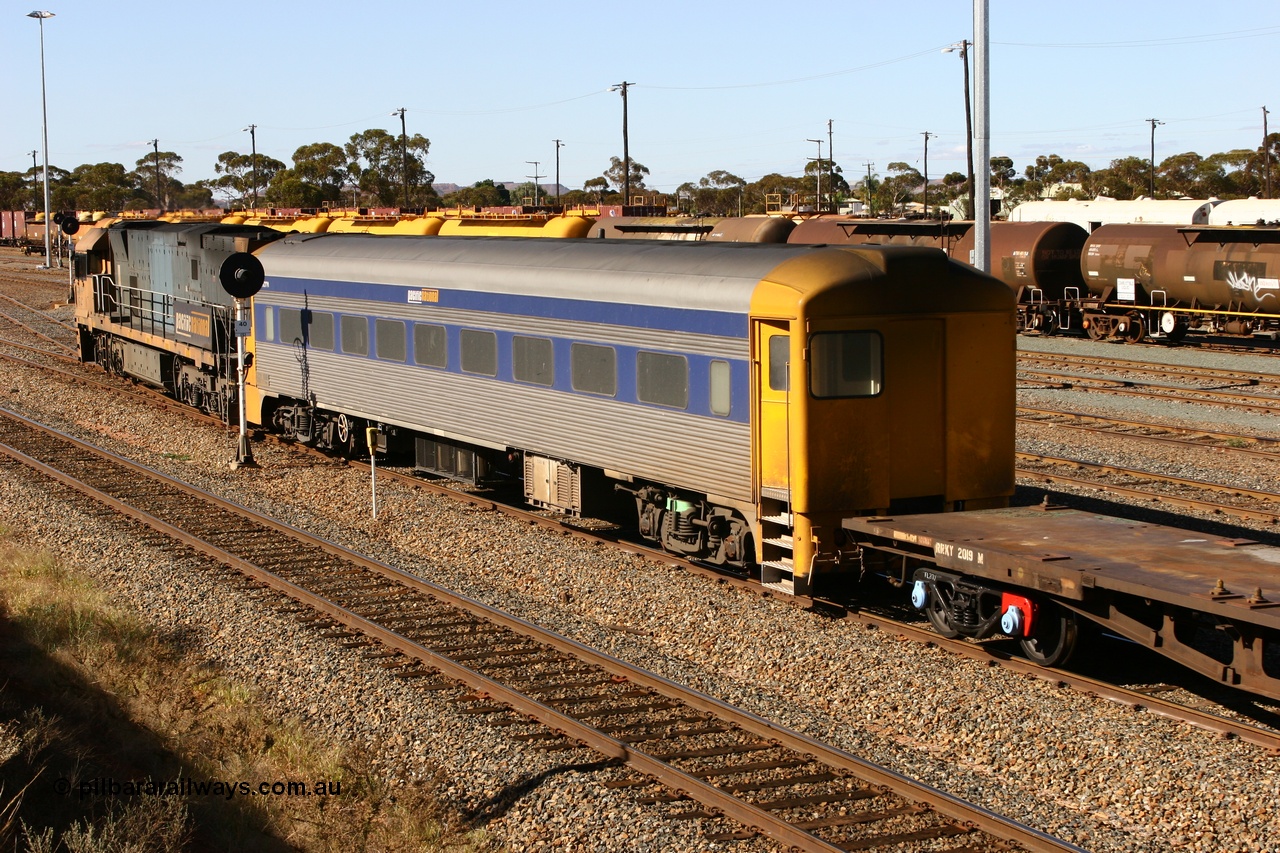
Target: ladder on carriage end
777,567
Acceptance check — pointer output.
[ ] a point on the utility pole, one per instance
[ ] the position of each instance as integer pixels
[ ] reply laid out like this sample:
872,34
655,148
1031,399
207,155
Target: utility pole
963,47
35,174
1152,182
1266,155
870,209
155,144
253,142
926,135
626,153
404,158
559,145
831,163
817,201
535,177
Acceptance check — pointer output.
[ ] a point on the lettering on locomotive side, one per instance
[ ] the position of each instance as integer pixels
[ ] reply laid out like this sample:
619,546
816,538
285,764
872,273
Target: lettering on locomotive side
193,325
426,294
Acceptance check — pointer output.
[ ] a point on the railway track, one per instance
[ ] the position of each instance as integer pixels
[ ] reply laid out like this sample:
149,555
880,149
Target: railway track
873,618
1268,404
1140,430
1252,504
28,321
712,761
1131,366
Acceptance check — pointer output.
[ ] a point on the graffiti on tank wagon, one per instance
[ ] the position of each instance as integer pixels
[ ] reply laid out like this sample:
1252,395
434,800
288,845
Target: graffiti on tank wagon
1247,277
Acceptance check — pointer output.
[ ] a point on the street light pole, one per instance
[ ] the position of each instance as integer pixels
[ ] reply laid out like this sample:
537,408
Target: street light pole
626,153
253,142
404,156
559,145
817,200
1152,181
982,135
44,112
535,176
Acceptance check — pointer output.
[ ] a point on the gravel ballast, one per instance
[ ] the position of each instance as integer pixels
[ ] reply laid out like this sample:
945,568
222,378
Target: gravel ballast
1097,774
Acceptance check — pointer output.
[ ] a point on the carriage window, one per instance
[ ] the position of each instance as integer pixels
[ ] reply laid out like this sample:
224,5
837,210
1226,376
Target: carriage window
845,364
290,326
479,352
532,360
355,334
594,369
429,345
779,357
268,323
662,379
720,403
389,338
195,269
319,329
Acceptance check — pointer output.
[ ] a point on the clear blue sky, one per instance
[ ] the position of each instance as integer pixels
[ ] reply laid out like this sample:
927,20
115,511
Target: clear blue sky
736,86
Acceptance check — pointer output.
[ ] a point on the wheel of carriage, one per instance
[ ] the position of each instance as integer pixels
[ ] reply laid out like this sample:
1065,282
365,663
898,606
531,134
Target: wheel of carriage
1135,330
1172,327
1096,332
938,609
1056,633
346,435
1049,322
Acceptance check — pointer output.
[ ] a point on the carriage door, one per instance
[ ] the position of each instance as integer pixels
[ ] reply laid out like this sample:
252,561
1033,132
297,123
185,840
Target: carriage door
772,384
773,348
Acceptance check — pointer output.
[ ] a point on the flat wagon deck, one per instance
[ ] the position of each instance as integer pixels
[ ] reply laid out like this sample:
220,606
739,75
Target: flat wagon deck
1211,603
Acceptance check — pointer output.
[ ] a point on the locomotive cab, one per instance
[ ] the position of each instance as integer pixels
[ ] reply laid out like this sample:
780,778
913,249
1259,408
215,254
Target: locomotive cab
882,384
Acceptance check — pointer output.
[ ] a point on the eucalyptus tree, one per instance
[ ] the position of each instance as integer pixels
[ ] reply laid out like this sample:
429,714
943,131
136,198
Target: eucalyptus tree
240,173
155,176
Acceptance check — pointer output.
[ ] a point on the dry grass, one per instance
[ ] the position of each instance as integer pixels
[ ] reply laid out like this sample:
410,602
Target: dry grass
88,690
